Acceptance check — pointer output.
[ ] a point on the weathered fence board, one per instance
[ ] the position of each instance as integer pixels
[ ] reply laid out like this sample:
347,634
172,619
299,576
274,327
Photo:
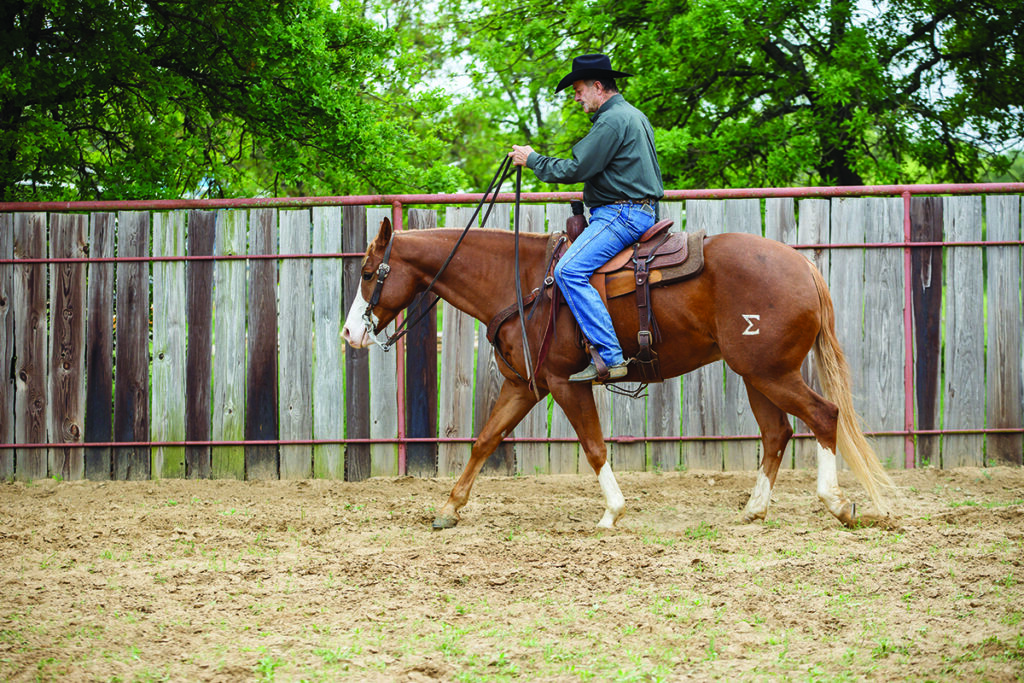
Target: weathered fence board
357,369
532,458
562,455
882,368
261,379
488,377
28,299
295,345
228,418
703,389
846,282
7,349
99,383
383,386
168,363
328,310
66,400
813,227
131,372
926,274
1003,378
964,386
199,350
780,220
846,275
456,393
421,372
664,399
741,215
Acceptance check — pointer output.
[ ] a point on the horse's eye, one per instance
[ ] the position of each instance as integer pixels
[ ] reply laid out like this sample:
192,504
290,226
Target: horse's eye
368,276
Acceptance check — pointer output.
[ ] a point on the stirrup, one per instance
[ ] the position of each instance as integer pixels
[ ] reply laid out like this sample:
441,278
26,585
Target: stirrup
592,374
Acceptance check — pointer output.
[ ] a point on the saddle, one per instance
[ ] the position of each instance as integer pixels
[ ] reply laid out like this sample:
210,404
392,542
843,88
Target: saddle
665,256
659,258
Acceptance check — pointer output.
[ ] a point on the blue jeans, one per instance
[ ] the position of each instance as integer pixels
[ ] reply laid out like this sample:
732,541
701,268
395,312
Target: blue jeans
612,228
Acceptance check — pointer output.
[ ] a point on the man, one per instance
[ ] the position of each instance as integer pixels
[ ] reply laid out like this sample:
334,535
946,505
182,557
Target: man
618,167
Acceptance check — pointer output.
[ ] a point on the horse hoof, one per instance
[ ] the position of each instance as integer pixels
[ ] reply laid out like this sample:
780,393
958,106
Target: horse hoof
848,515
610,519
445,522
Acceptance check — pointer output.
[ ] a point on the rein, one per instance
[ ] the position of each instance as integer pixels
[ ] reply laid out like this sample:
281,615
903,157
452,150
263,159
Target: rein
384,269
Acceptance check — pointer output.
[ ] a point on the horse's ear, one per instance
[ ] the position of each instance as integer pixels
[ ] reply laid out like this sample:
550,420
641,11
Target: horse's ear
383,235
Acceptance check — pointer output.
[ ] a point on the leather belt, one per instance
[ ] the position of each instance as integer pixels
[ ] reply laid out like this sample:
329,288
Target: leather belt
642,202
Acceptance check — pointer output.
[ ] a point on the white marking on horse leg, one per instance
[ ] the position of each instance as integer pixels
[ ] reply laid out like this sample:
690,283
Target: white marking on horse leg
829,492
355,332
760,497
751,319
615,502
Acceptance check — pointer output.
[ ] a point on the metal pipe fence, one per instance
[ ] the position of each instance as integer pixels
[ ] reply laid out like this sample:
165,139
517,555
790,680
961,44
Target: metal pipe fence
400,204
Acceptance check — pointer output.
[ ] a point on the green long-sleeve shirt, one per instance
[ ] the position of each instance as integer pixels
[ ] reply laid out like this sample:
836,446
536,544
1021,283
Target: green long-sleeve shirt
615,161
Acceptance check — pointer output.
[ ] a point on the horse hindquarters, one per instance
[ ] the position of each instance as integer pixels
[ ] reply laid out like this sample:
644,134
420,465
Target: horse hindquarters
773,307
834,425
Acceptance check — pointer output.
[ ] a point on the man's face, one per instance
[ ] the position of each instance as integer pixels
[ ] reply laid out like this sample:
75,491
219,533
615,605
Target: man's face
589,95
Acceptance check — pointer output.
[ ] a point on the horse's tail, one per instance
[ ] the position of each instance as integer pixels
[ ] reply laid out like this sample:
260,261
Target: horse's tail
834,374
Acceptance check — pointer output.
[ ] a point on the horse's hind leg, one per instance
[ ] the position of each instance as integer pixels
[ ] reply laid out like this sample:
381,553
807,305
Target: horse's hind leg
775,436
791,394
514,402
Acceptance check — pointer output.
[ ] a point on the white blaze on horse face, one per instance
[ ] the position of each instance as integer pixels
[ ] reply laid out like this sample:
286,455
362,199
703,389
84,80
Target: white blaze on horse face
615,502
355,332
757,506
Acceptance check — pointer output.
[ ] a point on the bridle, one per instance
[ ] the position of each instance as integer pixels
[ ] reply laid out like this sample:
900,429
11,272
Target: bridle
369,320
384,269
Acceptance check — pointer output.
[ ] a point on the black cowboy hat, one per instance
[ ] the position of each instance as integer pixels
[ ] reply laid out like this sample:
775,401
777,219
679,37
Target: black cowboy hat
588,67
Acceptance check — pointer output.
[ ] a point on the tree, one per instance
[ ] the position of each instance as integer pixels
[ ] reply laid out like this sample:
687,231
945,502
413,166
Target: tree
143,99
749,93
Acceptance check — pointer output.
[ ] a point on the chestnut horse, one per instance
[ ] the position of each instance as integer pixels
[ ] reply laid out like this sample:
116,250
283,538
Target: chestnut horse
759,305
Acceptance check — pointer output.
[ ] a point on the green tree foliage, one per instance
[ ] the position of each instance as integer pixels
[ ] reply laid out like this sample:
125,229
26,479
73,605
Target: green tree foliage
140,99
754,93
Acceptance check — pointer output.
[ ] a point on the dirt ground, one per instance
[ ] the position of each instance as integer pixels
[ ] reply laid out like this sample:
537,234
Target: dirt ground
313,580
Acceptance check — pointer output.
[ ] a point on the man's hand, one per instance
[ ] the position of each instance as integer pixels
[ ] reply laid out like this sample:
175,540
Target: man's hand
520,154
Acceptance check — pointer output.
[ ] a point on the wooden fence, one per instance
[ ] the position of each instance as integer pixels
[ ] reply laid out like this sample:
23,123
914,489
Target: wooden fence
166,344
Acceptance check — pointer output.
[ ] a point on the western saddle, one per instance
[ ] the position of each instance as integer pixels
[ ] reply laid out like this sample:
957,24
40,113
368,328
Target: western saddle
659,258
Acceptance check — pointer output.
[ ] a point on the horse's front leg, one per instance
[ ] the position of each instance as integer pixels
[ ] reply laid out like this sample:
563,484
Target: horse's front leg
577,401
514,401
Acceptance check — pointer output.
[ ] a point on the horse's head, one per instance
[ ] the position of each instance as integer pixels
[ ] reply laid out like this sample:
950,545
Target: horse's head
386,284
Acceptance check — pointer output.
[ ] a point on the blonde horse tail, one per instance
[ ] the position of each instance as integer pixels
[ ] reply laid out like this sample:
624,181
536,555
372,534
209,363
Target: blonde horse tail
834,374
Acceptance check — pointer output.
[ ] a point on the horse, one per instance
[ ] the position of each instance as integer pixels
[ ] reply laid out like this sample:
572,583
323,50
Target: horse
746,279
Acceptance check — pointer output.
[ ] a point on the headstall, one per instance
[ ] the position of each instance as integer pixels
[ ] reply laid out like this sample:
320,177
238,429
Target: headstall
384,269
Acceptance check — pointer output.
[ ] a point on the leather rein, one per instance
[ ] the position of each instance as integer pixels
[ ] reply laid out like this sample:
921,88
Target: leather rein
384,269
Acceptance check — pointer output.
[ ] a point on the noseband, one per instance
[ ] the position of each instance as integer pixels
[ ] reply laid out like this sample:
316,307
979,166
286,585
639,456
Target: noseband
383,270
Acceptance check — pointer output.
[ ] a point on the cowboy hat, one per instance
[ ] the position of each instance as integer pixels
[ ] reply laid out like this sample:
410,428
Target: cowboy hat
588,67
